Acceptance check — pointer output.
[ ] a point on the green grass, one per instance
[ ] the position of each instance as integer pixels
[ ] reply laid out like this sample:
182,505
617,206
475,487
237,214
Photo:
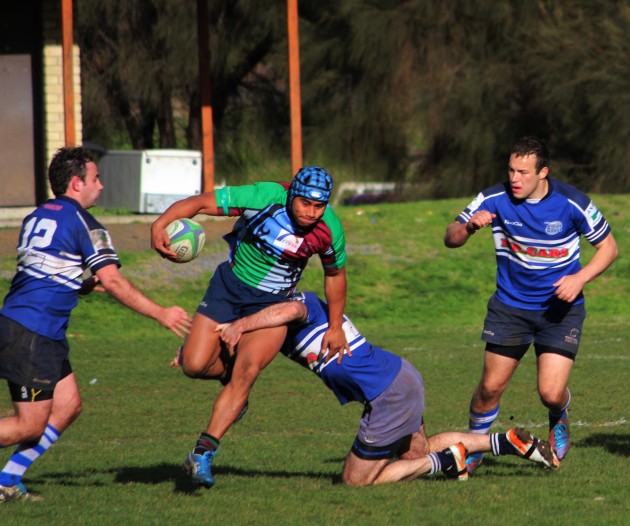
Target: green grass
120,462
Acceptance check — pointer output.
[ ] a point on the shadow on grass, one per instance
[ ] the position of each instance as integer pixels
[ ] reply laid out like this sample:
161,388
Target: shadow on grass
509,466
168,472
615,444
174,473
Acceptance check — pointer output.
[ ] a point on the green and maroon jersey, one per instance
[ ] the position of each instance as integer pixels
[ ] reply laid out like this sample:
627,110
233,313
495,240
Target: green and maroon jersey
267,249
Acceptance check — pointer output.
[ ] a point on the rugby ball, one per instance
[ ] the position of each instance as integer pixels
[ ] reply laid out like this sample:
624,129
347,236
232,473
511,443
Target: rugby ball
187,239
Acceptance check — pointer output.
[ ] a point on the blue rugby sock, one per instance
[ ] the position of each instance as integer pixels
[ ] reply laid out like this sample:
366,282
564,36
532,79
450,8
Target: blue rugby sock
480,422
24,456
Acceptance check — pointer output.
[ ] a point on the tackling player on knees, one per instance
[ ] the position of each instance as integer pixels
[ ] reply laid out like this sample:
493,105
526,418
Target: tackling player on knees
391,444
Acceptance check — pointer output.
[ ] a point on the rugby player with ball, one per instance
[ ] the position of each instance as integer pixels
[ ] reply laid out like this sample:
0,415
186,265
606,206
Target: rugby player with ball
281,226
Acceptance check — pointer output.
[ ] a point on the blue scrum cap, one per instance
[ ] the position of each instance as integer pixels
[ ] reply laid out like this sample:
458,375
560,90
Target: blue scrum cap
311,182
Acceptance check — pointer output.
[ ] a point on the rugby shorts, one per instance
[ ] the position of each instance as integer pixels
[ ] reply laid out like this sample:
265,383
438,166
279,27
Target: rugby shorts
392,416
556,329
228,298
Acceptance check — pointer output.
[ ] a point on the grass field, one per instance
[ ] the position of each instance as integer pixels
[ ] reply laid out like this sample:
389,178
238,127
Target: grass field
120,462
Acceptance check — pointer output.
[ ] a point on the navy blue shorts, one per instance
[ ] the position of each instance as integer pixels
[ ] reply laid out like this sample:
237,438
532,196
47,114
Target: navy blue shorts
228,298
23,393
557,328
29,359
392,416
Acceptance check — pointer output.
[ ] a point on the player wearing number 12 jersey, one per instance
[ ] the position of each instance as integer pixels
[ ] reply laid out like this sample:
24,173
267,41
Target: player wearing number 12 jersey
57,243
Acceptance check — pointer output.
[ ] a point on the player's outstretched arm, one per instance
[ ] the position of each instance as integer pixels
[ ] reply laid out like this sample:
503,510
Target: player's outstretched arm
173,318
272,316
190,207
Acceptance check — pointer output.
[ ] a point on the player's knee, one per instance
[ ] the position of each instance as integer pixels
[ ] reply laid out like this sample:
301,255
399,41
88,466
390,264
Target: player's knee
250,373
74,411
31,431
196,368
196,363
489,393
551,398
351,479
192,370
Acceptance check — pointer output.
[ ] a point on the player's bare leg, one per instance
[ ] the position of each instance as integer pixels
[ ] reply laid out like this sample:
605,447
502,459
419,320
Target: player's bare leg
360,472
67,405
201,349
28,422
496,375
415,458
484,405
474,443
413,463
255,351
553,377
421,445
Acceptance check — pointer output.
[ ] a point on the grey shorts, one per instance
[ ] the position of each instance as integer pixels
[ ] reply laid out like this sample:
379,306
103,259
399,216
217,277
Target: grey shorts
29,359
558,327
392,416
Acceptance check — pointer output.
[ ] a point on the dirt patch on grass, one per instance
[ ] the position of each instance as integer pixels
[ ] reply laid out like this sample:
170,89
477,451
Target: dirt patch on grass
134,236
128,236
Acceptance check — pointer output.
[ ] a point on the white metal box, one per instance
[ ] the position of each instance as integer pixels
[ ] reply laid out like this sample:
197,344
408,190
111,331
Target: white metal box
148,181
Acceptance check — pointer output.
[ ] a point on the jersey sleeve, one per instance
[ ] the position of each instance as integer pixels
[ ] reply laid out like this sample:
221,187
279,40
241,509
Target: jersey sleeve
483,201
334,257
591,223
95,244
234,200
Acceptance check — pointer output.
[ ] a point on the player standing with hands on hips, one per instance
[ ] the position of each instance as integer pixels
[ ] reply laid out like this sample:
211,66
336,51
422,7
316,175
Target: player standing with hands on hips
58,241
536,224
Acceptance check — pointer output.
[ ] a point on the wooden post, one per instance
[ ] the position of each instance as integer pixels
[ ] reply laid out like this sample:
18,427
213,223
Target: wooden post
294,86
206,101
68,73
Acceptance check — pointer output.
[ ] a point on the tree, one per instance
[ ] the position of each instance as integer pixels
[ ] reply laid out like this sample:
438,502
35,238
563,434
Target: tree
581,71
427,92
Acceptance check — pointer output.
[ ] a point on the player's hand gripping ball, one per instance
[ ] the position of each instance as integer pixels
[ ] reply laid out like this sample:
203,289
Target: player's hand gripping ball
187,239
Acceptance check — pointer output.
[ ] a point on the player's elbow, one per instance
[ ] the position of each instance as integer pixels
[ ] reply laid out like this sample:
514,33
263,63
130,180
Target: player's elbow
450,242
114,285
296,311
614,250
451,237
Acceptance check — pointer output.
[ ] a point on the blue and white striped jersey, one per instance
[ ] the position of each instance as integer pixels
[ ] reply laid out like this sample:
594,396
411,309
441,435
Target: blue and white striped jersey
58,241
359,378
537,241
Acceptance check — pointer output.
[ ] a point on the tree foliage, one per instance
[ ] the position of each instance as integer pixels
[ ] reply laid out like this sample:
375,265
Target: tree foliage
417,91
